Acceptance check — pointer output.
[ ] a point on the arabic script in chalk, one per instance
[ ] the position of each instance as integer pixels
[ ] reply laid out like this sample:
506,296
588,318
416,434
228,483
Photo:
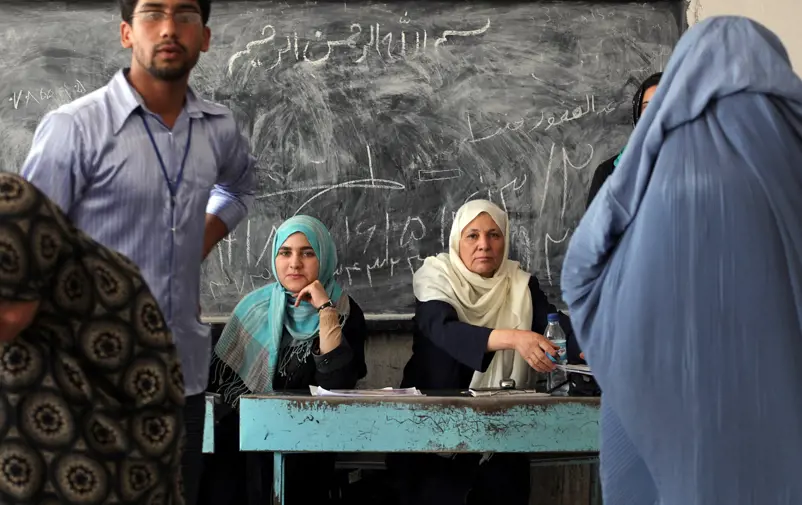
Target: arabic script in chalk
386,46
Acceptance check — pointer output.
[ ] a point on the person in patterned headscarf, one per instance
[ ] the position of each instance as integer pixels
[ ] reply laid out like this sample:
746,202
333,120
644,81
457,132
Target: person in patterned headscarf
91,388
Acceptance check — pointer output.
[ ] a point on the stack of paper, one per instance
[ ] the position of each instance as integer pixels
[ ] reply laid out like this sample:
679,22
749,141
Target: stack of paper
582,369
319,391
505,392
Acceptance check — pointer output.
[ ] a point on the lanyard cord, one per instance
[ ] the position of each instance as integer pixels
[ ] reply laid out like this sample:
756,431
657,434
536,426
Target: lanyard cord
173,189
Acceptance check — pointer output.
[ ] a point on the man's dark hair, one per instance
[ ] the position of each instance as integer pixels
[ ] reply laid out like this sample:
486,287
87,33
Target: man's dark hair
127,10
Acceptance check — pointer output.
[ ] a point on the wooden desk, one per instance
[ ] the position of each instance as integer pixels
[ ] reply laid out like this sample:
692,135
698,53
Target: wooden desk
287,423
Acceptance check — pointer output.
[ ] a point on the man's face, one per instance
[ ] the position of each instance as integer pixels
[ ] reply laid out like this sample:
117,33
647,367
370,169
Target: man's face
167,37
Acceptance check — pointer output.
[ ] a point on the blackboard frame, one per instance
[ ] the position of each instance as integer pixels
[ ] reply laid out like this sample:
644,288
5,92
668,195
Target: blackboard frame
678,11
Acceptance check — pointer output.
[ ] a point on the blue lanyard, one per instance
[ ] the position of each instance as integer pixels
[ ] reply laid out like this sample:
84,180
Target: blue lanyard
173,189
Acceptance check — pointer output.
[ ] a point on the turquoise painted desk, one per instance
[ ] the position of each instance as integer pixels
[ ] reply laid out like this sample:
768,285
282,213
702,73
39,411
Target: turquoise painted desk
285,423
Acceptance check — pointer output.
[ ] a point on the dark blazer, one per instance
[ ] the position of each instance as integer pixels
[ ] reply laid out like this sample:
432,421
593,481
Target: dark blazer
601,174
446,352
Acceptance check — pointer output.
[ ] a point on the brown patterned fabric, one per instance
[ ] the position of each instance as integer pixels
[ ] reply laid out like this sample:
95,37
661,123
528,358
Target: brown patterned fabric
91,393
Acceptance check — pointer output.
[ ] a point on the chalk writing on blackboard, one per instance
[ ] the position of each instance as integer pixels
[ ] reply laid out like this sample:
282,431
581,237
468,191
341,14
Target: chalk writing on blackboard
321,189
380,119
398,235
382,44
63,92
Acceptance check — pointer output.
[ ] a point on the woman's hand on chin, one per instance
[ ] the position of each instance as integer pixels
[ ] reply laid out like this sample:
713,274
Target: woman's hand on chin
314,293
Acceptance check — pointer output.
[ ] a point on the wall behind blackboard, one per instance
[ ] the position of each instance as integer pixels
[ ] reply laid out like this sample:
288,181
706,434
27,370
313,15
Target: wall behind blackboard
381,119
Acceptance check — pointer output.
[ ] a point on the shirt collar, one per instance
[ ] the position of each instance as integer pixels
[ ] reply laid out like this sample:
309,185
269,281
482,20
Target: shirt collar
126,100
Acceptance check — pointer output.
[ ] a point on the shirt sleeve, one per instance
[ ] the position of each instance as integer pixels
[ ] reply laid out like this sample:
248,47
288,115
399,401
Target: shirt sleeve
56,162
233,195
466,343
343,366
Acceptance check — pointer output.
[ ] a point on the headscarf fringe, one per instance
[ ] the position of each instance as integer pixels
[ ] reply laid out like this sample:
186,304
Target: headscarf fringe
254,338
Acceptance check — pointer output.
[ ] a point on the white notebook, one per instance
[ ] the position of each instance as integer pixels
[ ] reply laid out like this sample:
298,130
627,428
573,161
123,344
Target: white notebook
319,391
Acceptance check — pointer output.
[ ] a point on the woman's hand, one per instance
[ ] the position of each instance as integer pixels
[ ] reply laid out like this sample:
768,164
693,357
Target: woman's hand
314,293
533,348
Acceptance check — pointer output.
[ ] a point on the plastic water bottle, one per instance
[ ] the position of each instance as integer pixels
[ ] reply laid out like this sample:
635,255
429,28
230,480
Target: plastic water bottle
558,380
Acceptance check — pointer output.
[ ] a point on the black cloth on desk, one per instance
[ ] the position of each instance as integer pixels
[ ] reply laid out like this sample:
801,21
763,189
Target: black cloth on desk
446,351
232,477
192,459
445,354
601,174
429,479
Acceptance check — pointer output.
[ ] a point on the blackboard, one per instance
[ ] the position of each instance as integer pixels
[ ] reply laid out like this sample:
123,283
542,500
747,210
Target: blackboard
379,118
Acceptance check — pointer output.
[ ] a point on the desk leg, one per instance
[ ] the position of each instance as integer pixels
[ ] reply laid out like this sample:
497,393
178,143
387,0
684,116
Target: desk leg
595,485
278,478
208,426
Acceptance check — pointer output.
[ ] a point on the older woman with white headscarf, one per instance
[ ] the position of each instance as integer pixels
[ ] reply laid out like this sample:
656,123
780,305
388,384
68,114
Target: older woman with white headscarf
479,320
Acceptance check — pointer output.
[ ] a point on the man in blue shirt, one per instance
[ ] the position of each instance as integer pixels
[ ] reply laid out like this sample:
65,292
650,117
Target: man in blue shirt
138,163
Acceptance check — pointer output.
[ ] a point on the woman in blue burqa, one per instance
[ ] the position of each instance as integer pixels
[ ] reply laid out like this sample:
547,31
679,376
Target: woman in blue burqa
684,281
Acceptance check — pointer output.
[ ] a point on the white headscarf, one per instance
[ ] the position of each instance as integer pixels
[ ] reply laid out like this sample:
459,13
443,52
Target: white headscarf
499,302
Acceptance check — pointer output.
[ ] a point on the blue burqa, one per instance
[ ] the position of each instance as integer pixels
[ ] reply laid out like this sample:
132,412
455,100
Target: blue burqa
684,281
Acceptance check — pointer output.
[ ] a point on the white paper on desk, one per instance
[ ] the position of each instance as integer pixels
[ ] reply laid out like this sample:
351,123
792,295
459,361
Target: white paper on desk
319,391
580,369
505,392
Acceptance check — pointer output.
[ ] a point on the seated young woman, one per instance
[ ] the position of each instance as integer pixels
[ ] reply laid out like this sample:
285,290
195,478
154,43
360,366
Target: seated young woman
299,331
479,319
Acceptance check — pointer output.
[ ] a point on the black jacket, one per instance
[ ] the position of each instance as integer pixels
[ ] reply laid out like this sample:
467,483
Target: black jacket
446,352
601,174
